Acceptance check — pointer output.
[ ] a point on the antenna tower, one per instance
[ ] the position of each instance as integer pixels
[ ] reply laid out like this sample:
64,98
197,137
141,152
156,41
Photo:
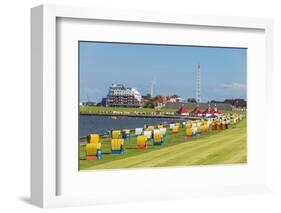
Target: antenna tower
198,84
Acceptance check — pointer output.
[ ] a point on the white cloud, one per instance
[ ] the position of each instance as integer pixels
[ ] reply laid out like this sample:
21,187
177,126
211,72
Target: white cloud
234,86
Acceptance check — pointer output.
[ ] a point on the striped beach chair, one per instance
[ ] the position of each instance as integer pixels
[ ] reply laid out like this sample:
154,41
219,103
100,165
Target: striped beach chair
148,134
138,131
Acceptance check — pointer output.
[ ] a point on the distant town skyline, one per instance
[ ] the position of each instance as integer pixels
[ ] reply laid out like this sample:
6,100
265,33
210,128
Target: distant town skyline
173,68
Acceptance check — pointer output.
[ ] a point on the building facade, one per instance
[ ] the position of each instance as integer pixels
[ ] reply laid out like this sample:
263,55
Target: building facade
121,96
201,106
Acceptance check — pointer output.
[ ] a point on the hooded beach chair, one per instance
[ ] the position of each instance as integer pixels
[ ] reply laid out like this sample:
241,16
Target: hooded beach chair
93,138
188,124
141,142
93,151
219,125
210,122
138,131
150,128
155,131
194,124
160,126
115,134
199,130
148,134
163,131
214,125
194,131
183,124
206,127
172,126
223,124
176,129
227,123
126,134
158,139
117,146
241,117
188,132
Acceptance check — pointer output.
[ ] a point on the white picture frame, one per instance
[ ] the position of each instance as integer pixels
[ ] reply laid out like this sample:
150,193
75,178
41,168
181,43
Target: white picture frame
45,152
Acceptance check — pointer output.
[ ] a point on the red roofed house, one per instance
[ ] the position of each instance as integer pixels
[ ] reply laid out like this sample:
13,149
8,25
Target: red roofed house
182,111
216,112
209,111
196,111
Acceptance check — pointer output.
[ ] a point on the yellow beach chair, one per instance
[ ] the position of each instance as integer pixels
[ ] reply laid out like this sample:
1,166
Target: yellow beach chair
188,132
93,138
158,139
150,128
176,129
93,151
117,146
214,125
188,124
141,142
159,126
199,130
116,134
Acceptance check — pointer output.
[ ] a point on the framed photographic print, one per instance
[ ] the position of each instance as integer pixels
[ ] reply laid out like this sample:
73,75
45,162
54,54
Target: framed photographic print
148,105
166,116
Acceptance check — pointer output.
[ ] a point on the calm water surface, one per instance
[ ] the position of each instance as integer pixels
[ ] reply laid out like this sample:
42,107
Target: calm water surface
102,124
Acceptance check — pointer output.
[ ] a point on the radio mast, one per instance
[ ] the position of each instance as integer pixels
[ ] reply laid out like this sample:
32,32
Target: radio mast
198,84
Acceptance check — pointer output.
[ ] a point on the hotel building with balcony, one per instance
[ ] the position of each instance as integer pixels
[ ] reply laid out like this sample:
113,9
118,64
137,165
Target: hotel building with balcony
121,96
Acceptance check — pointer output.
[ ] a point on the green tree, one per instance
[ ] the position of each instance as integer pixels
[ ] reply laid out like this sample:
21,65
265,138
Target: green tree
191,100
149,104
148,95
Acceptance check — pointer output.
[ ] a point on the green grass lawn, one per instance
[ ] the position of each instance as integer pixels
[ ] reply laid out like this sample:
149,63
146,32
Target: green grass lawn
214,147
109,110
127,110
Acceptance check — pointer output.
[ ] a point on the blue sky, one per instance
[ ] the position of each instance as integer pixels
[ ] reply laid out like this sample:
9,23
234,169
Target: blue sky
223,70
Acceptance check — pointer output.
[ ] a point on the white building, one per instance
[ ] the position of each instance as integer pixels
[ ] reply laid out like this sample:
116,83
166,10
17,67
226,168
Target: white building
121,96
175,98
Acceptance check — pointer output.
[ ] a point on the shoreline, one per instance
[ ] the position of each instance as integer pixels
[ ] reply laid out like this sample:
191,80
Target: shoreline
84,138
141,116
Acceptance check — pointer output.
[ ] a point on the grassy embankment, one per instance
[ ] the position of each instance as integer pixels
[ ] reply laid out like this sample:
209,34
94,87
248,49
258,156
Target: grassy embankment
214,147
127,110
120,110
